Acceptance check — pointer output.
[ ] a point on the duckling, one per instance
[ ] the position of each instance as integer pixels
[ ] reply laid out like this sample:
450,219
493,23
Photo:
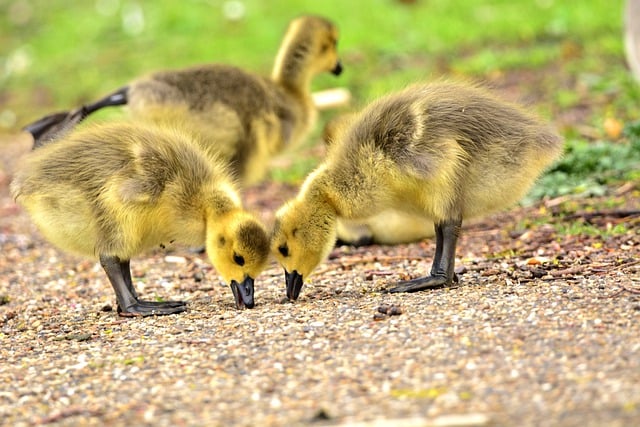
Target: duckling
250,116
115,190
390,227
446,151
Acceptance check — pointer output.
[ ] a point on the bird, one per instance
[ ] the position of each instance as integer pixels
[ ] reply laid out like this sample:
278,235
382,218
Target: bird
390,227
445,150
246,117
114,190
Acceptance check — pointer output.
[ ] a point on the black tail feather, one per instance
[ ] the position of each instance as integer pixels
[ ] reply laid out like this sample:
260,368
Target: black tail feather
118,97
54,126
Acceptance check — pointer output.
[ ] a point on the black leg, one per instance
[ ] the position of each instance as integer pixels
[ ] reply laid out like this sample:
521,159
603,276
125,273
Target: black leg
361,242
437,257
125,268
442,269
112,267
42,127
54,126
118,97
119,275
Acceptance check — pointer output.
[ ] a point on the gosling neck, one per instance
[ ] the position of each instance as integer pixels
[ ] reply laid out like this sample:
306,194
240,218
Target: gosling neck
315,192
290,70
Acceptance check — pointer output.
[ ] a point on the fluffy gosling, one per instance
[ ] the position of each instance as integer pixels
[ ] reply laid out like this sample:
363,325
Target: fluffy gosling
445,151
390,227
113,191
248,118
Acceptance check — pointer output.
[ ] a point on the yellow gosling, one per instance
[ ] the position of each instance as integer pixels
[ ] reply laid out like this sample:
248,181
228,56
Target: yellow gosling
248,117
390,227
114,191
445,151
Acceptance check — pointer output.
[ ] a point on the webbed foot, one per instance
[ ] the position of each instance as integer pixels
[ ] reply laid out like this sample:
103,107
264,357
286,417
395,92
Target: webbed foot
119,274
424,283
152,308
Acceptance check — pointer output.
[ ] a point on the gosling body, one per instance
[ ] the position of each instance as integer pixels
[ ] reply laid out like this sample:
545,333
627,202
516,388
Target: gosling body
247,118
114,191
389,227
443,151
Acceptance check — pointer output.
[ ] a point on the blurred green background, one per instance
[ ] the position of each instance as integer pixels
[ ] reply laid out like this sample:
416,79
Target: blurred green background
56,54
563,58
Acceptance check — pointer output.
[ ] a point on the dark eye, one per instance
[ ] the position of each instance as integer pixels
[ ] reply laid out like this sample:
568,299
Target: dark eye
238,259
284,250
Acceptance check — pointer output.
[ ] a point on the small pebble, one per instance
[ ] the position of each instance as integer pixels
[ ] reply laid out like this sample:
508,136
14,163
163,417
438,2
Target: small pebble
390,309
72,360
321,415
379,316
394,310
384,308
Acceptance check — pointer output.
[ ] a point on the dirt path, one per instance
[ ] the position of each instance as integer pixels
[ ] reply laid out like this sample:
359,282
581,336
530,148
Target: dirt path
543,331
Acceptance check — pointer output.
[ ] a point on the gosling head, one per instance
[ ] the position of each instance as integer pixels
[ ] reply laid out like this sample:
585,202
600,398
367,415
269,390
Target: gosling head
302,238
314,41
325,43
238,247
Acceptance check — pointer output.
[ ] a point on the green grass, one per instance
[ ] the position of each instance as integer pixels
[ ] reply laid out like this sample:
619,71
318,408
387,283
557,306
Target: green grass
57,54
587,168
581,228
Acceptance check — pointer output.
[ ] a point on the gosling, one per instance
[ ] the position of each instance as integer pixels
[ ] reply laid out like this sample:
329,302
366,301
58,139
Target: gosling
446,151
391,227
248,117
113,191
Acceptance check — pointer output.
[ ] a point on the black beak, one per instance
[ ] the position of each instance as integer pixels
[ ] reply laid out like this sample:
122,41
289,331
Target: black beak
243,293
294,284
337,70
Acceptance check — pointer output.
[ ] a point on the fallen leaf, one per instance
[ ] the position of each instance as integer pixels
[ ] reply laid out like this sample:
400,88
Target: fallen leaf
613,127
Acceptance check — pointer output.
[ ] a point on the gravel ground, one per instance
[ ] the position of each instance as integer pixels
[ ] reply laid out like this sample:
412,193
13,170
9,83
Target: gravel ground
544,330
